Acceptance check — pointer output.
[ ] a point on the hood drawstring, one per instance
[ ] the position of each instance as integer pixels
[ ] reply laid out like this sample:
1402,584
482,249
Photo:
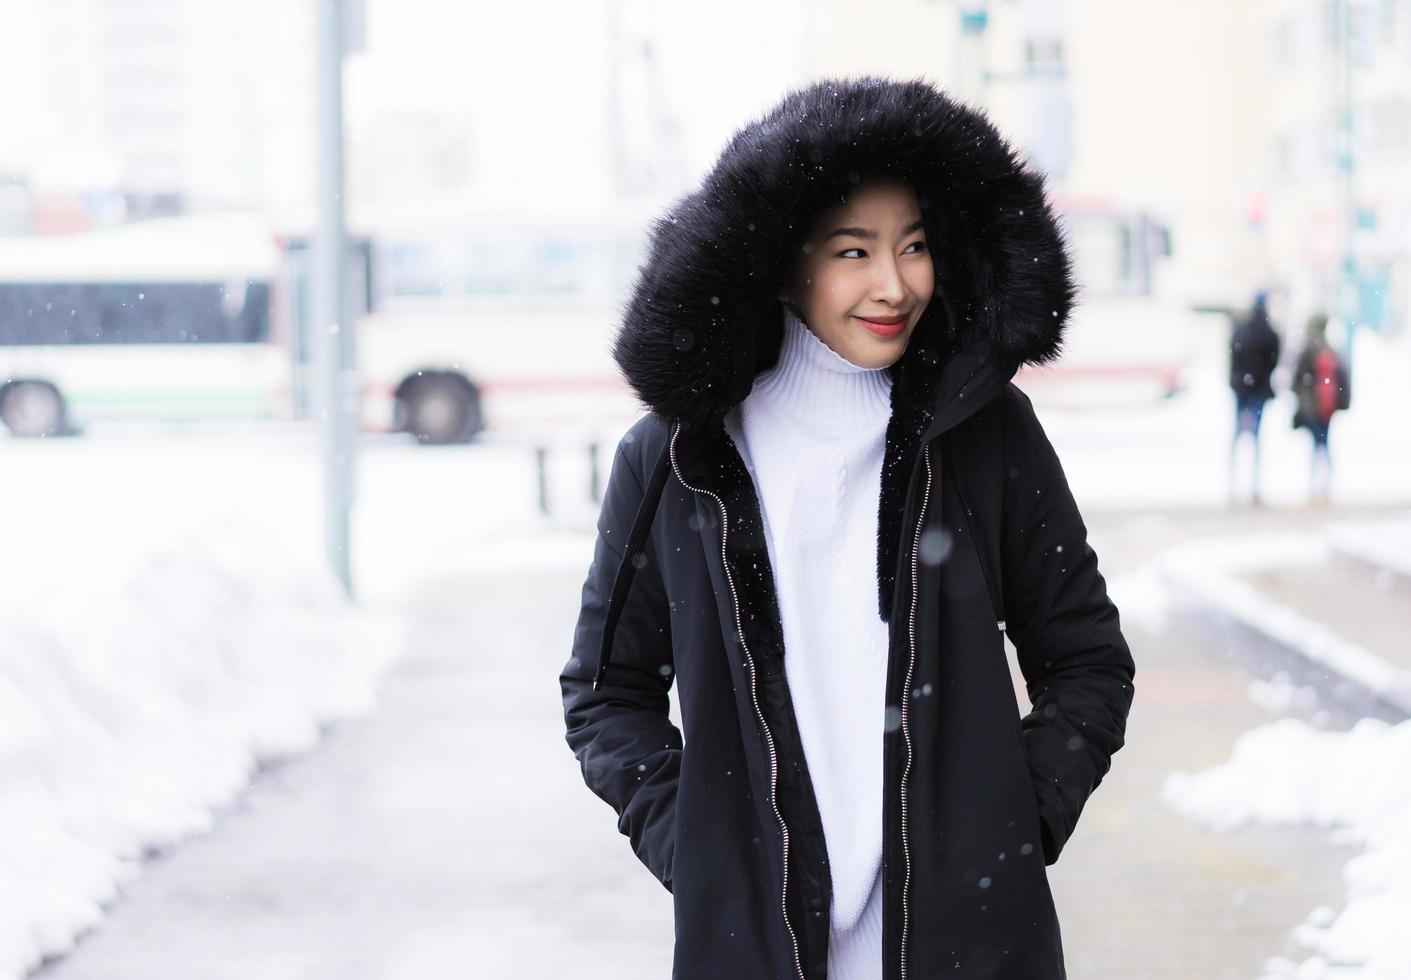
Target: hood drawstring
641,526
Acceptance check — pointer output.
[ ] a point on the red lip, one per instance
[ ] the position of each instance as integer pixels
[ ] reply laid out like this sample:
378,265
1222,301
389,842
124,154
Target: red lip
887,327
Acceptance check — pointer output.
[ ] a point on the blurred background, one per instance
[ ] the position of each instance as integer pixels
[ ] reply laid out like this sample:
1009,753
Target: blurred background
293,548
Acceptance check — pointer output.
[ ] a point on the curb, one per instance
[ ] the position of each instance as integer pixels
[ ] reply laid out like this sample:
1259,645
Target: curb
1270,636
1369,546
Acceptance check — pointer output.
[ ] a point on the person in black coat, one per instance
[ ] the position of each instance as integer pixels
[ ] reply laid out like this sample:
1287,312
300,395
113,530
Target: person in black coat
979,798
1254,354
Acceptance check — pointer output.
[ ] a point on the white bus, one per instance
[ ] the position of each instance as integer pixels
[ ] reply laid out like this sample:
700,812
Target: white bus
476,320
465,322
495,319
171,319
1127,342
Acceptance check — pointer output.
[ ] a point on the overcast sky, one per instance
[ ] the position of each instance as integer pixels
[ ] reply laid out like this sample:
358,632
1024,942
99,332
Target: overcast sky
531,78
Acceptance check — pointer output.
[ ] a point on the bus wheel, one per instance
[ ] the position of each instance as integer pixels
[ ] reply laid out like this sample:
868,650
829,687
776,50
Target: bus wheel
33,409
439,408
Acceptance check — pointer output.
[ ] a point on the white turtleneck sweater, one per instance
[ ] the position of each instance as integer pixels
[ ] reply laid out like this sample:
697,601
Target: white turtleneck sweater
812,433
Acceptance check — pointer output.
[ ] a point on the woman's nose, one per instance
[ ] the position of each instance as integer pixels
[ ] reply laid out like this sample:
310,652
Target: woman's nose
887,285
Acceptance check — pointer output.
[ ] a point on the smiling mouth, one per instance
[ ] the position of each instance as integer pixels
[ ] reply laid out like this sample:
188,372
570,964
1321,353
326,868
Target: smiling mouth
886,329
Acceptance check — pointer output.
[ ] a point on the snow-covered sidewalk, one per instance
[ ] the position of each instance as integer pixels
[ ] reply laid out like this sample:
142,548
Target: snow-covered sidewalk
1345,622
145,677
168,631
166,626
447,834
1358,785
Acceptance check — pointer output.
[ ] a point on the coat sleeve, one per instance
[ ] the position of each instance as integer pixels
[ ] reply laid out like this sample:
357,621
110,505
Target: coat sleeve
621,734
1076,664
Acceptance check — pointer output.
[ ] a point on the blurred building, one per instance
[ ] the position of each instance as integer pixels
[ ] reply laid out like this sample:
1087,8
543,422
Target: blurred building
1198,150
1104,97
456,106
138,108
1259,142
1324,150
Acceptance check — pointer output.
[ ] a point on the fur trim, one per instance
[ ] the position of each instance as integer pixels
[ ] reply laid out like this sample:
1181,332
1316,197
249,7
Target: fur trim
704,317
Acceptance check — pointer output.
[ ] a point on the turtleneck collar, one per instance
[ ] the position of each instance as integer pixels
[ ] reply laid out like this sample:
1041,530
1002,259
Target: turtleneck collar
819,388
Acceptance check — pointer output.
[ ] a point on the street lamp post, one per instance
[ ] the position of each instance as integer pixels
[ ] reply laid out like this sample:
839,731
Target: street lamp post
1348,287
333,336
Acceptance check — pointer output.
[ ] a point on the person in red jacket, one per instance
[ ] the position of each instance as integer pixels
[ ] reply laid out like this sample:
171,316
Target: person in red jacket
1320,384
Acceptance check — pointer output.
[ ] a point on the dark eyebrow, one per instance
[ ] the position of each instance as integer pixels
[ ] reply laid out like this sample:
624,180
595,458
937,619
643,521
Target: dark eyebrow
867,233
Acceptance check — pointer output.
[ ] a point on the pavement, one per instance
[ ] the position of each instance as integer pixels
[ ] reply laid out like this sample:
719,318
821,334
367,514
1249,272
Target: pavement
1140,891
449,833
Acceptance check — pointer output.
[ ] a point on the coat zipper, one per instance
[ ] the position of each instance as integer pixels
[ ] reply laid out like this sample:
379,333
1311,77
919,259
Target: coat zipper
754,698
906,715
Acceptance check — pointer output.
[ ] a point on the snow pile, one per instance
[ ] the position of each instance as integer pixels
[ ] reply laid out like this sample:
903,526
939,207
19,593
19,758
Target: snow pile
1142,597
141,683
1358,783
1280,696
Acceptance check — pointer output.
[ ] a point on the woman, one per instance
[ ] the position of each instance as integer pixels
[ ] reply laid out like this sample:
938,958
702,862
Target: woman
835,464
1320,387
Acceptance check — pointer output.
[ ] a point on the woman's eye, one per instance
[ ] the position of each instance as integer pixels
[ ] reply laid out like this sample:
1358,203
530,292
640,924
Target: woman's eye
844,254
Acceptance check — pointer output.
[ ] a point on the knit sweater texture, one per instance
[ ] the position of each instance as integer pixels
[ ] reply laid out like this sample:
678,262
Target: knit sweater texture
812,433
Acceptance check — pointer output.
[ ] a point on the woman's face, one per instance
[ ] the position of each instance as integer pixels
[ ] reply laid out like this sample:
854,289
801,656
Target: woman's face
865,275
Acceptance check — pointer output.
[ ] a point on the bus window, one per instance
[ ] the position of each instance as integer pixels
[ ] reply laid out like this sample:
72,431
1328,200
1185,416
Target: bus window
47,314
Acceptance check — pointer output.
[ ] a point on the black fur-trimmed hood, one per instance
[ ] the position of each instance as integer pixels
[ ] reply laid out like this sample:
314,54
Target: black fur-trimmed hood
704,317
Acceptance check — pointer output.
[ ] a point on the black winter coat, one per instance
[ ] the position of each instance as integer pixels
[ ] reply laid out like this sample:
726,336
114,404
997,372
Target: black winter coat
978,534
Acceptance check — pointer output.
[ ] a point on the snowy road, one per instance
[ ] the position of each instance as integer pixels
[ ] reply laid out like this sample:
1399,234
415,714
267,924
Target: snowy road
450,835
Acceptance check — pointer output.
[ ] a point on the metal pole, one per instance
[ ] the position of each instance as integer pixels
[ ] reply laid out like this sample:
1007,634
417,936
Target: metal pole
1348,300
331,333
595,484
974,18
541,458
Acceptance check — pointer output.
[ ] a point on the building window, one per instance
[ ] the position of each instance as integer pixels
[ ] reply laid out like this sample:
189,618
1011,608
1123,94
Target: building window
1043,54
